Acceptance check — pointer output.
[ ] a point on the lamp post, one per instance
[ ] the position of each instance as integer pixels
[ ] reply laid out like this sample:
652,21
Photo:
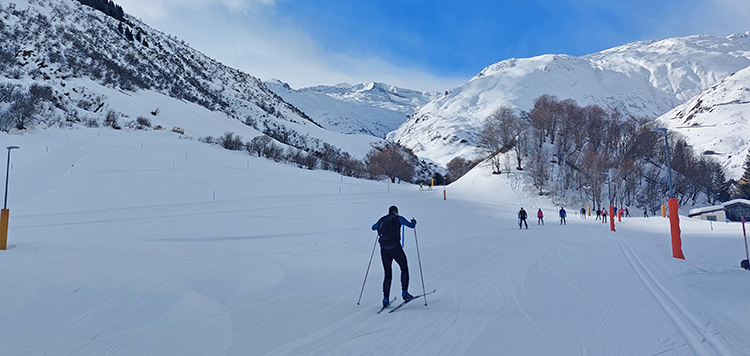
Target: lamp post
5,212
674,206
611,207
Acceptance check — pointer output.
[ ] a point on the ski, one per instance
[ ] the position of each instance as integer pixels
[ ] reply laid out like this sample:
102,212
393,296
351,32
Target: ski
387,305
407,301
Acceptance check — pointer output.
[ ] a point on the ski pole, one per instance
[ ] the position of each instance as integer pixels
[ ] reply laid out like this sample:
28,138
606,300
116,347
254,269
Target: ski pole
416,243
368,271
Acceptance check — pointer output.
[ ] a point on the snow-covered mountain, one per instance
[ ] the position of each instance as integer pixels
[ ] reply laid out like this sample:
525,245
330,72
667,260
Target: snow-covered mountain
640,79
373,108
67,64
717,121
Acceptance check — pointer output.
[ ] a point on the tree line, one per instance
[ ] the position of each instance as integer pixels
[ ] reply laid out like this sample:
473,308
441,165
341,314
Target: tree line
106,6
567,150
386,160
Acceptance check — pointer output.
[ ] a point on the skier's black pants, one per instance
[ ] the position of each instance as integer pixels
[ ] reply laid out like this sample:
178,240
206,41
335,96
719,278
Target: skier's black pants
387,256
522,222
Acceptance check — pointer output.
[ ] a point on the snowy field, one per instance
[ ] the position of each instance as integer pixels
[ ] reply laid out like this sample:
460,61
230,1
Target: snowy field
140,243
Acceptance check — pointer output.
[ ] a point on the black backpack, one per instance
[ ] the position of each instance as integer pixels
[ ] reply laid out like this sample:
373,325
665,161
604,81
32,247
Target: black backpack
389,228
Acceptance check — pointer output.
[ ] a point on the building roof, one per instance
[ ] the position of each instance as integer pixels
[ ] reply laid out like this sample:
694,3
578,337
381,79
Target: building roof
735,202
708,209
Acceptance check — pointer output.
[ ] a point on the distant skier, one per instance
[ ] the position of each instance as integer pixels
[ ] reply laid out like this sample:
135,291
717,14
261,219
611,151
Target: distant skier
563,215
583,213
598,214
627,212
540,217
389,232
522,218
604,216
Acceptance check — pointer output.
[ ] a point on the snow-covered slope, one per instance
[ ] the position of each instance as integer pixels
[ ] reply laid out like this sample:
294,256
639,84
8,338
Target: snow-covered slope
640,79
373,109
115,249
717,121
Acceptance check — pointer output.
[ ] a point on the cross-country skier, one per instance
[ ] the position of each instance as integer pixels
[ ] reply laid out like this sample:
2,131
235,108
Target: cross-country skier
563,215
389,232
583,213
540,217
522,218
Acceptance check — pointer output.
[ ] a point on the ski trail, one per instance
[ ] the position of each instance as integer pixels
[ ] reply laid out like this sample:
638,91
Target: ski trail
697,334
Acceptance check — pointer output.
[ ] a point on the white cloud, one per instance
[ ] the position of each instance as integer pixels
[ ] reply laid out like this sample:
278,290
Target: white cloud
250,36
156,9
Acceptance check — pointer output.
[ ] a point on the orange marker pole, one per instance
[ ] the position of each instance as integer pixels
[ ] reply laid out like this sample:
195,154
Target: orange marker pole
4,229
674,227
612,218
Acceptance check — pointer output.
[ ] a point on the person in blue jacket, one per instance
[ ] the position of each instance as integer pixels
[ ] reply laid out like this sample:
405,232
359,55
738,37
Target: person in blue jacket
563,215
389,232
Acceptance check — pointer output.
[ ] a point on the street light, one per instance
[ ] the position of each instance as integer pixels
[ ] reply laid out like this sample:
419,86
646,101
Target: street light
611,207
674,205
5,212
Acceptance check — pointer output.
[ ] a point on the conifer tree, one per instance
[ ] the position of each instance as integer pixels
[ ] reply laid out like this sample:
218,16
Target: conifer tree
744,186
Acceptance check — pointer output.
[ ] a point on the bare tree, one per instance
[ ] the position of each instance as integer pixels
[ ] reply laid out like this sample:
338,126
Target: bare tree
520,145
592,166
498,134
544,117
258,145
459,166
389,161
540,169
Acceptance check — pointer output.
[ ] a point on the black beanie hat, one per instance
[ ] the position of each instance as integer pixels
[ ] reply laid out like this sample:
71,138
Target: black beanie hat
392,210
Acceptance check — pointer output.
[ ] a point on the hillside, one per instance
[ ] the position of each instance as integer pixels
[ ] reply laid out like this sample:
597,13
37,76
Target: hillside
67,64
372,109
717,121
642,79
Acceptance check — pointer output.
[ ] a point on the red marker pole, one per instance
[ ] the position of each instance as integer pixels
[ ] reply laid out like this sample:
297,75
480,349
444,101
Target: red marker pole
674,224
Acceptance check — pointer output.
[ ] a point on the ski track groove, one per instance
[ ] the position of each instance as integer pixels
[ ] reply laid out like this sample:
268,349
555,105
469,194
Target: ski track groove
685,322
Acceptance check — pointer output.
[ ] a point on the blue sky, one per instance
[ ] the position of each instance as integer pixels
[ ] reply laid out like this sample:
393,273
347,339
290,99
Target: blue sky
428,45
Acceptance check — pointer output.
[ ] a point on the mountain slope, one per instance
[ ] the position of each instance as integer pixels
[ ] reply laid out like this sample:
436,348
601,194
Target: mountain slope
373,109
51,47
639,79
717,121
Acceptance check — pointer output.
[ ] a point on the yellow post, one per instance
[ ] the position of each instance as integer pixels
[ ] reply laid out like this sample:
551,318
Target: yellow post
4,228
663,211
588,206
